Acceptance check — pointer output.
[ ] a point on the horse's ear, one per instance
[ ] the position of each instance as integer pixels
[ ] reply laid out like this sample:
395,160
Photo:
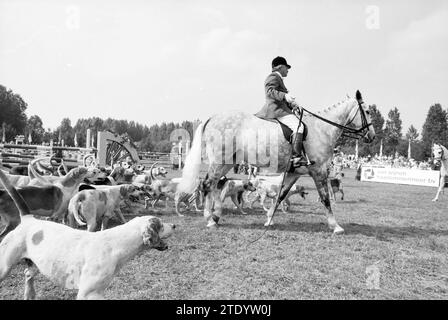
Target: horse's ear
358,95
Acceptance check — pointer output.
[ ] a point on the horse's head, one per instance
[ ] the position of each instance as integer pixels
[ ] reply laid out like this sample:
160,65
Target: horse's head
360,118
437,152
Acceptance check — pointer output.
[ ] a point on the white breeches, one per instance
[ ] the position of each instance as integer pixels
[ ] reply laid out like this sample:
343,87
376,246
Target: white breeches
292,122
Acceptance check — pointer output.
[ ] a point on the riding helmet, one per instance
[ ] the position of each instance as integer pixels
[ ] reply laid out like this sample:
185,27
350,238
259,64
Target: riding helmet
280,61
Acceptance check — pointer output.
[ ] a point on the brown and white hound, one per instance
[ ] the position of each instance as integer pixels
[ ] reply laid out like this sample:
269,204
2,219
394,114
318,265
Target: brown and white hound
268,187
75,259
44,198
98,205
234,189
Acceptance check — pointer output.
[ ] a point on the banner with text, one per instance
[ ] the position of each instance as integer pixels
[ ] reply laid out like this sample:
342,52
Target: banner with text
428,178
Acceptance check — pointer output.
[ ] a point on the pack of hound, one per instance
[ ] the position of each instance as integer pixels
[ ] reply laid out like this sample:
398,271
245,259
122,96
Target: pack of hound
85,262
46,207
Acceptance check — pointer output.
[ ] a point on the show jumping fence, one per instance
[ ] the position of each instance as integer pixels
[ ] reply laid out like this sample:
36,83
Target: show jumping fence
111,149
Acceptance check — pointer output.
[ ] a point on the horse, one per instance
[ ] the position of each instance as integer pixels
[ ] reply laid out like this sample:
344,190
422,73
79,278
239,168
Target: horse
440,153
242,136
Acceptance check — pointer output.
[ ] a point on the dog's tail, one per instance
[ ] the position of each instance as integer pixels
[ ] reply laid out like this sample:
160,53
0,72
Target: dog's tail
192,165
32,173
73,208
16,197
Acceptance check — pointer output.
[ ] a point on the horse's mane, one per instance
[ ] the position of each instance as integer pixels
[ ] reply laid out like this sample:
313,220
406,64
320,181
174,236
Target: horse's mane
326,110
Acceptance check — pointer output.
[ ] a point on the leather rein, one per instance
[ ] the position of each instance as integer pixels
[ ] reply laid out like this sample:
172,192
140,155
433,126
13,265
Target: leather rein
347,131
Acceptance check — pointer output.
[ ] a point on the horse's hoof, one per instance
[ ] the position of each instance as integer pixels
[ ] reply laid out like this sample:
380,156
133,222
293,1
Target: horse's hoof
434,200
338,230
180,215
267,224
215,218
212,225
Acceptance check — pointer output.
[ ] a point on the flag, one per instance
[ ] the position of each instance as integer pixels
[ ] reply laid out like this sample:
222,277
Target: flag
409,149
75,139
381,148
4,133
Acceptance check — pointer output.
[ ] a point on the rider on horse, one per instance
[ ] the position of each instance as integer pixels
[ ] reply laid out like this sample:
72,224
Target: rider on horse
281,106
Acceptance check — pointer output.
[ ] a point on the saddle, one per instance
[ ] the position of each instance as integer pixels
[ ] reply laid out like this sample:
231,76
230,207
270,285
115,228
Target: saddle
287,132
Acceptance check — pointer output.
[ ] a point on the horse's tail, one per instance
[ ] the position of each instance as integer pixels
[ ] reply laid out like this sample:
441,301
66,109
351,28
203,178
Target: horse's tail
192,165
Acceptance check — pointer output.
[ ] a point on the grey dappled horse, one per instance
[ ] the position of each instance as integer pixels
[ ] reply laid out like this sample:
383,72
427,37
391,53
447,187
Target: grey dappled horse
440,153
227,139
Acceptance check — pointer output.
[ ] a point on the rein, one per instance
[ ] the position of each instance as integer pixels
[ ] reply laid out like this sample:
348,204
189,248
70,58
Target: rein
347,131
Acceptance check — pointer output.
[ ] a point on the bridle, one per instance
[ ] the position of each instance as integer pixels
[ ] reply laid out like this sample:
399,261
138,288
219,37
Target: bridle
348,131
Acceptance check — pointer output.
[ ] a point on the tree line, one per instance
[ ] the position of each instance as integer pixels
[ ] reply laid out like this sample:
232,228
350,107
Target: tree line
15,121
156,138
389,134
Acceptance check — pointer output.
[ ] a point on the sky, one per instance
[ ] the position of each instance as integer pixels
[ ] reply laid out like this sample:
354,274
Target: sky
162,61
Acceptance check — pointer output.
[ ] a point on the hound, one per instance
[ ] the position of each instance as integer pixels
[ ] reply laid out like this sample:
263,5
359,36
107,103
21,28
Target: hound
17,180
39,180
167,189
75,259
269,189
49,200
163,189
335,176
110,177
336,186
196,198
21,170
148,176
99,204
295,189
69,186
235,189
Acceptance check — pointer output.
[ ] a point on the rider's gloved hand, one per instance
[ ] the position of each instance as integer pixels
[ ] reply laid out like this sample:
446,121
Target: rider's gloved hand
296,107
289,98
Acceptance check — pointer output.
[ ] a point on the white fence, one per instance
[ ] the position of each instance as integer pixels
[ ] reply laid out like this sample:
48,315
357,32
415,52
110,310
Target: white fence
429,178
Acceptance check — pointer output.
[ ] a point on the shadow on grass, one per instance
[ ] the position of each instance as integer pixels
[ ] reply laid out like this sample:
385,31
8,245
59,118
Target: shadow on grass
382,233
353,201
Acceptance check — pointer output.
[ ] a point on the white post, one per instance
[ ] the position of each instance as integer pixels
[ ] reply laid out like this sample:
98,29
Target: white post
381,148
75,140
180,154
4,133
187,147
88,138
409,149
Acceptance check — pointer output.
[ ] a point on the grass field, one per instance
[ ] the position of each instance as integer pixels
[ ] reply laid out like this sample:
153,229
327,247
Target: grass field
395,246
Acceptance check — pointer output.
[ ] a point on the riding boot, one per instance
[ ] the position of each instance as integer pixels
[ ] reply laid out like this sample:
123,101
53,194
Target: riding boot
298,158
